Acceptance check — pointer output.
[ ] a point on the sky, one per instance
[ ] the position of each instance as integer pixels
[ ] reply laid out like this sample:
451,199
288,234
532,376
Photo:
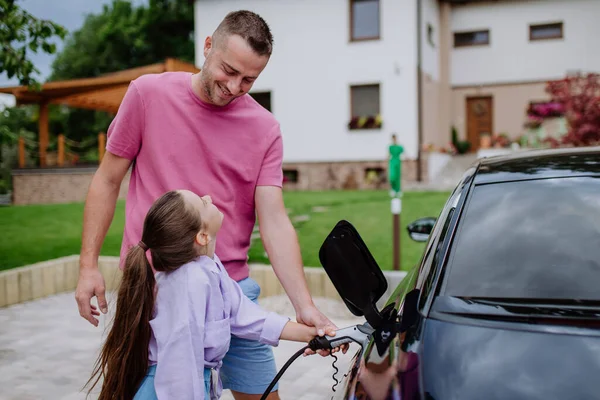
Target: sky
68,13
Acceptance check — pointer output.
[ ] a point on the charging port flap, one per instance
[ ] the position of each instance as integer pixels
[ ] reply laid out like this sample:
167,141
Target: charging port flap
353,272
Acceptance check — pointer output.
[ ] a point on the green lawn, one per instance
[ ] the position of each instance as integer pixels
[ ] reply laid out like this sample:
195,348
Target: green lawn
37,233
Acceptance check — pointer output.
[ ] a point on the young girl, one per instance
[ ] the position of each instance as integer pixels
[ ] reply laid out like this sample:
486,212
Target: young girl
171,331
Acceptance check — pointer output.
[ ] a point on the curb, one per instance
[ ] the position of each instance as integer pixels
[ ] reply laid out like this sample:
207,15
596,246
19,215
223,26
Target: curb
60,275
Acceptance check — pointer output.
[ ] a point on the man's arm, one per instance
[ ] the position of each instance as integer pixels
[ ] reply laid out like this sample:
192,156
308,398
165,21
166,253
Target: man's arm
281,243
98,214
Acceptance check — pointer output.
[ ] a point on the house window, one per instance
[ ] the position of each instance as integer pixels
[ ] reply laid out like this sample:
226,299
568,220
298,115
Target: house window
430,32
364,103
473,38
263,98
290,176
374,176
546,31
364,20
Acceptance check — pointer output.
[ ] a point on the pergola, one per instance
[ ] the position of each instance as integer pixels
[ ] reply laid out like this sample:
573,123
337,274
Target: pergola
103,93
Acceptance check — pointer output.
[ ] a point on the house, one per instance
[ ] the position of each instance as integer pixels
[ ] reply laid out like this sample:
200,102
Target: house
343,75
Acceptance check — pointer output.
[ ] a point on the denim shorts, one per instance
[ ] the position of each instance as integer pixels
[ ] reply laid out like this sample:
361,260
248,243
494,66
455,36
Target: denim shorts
249,366
146,390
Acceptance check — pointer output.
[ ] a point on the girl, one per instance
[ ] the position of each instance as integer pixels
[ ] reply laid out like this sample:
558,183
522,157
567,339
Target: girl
171,331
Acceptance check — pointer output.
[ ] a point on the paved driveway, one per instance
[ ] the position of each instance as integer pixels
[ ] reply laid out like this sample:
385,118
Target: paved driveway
47,351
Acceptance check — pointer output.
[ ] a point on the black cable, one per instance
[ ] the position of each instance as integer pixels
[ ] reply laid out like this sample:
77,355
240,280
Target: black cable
336,371
278,376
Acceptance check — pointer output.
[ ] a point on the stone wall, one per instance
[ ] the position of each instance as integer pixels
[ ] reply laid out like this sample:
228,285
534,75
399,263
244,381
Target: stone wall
348,175
67,185
55,185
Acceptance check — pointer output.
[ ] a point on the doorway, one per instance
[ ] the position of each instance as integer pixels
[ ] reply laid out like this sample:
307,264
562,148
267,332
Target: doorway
479,119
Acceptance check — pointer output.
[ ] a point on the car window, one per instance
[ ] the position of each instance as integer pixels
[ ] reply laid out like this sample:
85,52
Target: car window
529,239
436,252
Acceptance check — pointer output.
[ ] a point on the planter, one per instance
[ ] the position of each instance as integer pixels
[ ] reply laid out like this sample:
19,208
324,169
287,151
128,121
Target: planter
436,162
5,199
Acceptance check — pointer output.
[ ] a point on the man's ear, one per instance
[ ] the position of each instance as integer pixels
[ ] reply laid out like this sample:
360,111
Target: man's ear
202,238
208,44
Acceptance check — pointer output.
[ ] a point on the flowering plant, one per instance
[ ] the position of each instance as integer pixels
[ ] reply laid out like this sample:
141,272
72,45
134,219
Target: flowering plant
366,122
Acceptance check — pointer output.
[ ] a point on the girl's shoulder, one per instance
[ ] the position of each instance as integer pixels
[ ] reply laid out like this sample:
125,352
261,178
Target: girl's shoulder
201,267
196,271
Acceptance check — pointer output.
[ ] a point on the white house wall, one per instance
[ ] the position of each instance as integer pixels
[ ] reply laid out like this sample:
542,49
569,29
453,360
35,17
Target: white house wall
313,66
511,57
434,89
430,14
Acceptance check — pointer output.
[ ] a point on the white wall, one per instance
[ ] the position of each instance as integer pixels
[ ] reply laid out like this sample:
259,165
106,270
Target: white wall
430,14
511,57
313,66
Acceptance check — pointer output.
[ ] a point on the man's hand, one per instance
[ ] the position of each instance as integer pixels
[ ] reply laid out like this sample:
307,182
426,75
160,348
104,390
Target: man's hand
90,284
97,217
311,316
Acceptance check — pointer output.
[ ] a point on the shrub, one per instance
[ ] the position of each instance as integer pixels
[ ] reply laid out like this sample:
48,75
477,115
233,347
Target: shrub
579,96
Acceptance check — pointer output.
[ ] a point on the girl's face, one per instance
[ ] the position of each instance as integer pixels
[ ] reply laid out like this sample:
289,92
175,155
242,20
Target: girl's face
211,217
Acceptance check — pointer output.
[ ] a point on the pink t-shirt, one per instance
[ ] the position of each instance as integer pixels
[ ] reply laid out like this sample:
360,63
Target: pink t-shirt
180,142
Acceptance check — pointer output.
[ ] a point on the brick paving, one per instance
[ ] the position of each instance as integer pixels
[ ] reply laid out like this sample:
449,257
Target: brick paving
47,351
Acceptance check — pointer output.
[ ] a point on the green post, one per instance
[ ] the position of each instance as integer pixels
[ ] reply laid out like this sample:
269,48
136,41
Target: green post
395,179
395,167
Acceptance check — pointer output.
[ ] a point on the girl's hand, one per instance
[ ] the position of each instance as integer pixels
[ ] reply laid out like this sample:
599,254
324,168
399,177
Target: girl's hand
322,353
303,333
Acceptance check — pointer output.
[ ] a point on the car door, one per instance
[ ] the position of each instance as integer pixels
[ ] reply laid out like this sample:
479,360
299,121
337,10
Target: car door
394,372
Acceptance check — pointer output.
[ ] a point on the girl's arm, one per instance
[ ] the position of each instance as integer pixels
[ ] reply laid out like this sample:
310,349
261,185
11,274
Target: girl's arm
302,333
298,332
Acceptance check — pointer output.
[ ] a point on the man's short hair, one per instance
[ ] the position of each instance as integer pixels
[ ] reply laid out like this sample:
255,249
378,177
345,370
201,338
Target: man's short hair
251,27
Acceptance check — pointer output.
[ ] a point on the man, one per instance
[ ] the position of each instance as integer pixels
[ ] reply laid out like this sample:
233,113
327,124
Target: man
203,132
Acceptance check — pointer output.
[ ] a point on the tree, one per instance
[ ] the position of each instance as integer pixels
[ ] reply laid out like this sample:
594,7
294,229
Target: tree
21,32
122,36
579,96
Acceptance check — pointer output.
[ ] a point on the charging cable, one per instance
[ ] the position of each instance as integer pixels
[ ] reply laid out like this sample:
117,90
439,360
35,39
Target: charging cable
360,334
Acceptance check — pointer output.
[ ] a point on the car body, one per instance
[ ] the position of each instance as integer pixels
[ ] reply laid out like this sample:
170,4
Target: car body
505,301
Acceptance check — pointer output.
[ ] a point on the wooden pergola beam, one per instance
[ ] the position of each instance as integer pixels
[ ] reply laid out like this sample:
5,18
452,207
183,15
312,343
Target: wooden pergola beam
43,138
103,93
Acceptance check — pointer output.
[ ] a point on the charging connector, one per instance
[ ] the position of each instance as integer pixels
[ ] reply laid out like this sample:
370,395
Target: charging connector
359,334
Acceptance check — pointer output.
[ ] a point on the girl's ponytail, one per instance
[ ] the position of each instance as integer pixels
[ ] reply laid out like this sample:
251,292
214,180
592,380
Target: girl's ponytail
123,361
170,228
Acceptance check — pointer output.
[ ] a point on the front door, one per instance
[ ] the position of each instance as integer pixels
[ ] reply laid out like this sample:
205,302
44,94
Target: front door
479,119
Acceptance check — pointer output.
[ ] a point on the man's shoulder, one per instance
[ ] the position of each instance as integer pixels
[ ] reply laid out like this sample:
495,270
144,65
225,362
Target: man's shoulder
261,114
159,82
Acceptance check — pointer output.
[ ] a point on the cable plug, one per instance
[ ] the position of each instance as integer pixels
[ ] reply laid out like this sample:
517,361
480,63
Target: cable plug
319,343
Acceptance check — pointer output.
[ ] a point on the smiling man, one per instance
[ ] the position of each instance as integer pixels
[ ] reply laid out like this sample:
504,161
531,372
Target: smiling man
204,133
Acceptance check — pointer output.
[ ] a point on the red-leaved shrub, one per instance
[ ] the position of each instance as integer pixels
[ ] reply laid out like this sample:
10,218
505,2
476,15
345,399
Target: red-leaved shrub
579,96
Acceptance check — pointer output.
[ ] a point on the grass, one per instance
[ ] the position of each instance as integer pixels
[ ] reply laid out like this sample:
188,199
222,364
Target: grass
36,233
369,212
41,232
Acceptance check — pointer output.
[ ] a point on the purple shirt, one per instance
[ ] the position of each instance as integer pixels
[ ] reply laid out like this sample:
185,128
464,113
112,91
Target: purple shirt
198,307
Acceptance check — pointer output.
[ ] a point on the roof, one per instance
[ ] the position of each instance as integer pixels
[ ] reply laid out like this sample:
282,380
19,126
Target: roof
537,164
103,93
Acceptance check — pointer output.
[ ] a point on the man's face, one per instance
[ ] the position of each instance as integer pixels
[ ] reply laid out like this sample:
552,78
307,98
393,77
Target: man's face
230,69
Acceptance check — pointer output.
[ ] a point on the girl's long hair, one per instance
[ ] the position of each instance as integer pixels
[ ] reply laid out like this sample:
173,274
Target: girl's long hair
169,231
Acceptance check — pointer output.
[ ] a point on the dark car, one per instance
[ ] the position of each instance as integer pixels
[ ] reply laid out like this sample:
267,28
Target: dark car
505,301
